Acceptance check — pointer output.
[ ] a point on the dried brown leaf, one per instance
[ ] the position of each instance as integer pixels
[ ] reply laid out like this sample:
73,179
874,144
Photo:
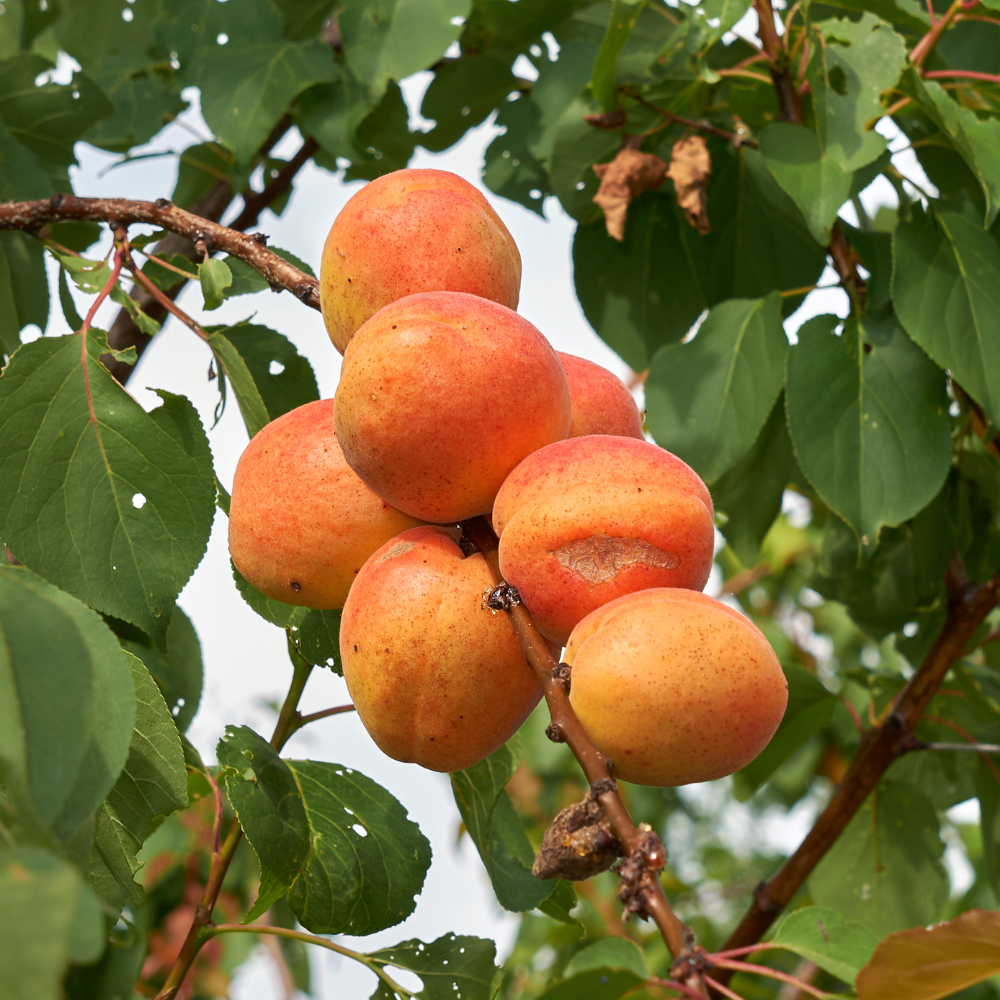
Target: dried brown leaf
690,169
624,178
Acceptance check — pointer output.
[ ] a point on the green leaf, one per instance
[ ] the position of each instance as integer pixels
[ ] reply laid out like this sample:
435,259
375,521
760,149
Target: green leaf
897,881
178,671
48,918
199,168
262,790
10,327
988,793
636,306
946,290
384,136
498,831
339,844
248,81
604,970
164,278
463,94
707,400
810,706
453,966
247,280
316,633
28,277
70,314
152,784
823,937
853,62
624,14
66,703
977,140
367,861
304,18
21,175
867,412
268,375
109,502
390,39
215,278
50,118
510,169
750,493
815,181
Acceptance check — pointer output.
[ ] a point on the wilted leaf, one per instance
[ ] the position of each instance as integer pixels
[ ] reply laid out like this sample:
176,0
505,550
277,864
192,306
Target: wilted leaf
629,174
690,169
925,963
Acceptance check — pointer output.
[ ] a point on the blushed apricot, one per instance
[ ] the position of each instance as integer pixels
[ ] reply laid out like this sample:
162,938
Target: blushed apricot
301,523
441,394
589,519
436,679
674,686
413,231
602,403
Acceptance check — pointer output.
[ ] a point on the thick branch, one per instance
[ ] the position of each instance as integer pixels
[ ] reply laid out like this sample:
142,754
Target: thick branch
968,605
566,727
32,215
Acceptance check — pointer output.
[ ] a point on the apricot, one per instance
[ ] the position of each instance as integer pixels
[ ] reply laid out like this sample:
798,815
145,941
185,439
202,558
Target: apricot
301,523
413,231
602,402
436,679
589,519
441,394
674,686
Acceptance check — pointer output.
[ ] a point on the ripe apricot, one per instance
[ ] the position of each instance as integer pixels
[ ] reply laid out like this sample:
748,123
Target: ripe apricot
413,231
301,523
441,394
589,519
602,403
674,686
436,679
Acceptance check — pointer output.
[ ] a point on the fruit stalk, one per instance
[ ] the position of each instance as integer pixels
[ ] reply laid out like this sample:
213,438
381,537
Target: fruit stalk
566,728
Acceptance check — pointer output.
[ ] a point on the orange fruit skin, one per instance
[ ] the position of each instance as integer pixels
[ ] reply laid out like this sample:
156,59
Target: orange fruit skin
590,519
437,679
674,686
301,523
413,231
441,394
601,402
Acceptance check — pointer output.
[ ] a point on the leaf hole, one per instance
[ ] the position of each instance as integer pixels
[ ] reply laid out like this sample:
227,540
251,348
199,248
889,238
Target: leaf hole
222,38
138,501
127,15
275,368
359,830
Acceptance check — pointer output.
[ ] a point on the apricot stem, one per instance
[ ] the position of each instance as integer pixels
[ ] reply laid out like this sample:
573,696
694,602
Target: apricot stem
677,935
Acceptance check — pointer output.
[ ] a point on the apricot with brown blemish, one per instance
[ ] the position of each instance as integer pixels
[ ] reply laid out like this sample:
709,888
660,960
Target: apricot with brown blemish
674,686
601,401
590,519
413,231
436,678
301,523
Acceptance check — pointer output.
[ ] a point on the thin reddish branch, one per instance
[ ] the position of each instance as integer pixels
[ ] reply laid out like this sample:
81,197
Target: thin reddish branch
960,74
923,48
968,606
733,137
109,285
31,216
566,728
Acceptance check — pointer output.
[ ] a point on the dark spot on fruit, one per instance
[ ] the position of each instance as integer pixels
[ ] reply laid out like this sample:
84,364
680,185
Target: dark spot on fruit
296,586
355,649
348,280
387,650
394,326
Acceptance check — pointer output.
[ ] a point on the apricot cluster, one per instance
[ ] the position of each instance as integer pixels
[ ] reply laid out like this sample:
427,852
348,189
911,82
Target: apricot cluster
450,406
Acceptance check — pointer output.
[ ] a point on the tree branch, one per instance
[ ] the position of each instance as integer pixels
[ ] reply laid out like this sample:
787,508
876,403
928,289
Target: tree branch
32,215
968,605
566,728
